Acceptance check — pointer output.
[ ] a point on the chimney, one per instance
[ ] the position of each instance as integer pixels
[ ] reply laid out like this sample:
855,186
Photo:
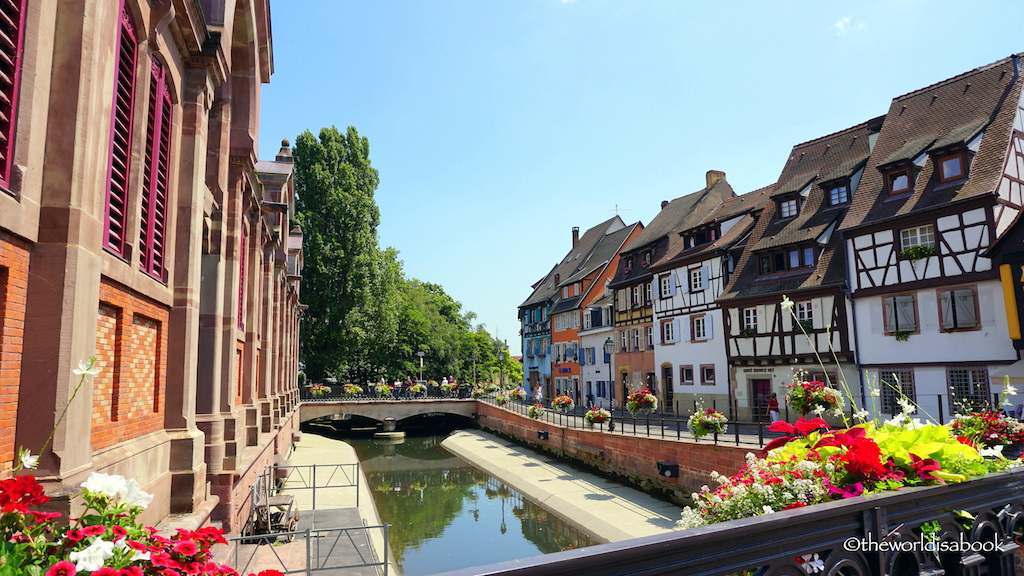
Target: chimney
558,279
575,235
713,176
663,204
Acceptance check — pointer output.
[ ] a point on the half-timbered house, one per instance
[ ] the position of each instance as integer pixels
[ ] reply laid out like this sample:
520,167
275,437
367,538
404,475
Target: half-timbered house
633,286
795,251
944,182
690,355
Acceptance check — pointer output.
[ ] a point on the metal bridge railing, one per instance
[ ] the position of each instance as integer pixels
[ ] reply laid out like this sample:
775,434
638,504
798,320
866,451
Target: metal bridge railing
335,549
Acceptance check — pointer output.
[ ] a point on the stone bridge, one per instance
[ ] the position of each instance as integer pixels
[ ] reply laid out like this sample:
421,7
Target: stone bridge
381,409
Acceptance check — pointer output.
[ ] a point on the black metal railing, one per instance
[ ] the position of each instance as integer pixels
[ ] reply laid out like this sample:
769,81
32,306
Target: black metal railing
326,550
873,535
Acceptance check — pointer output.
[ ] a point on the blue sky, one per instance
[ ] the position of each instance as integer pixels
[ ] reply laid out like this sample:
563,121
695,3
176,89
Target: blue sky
498,125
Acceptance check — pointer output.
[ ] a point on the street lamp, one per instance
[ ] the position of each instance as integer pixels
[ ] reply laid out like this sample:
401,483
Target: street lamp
420,354
609,348
501,368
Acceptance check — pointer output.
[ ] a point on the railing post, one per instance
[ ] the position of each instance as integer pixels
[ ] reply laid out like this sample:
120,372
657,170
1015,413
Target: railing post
359,473
386,547
309,552
942,419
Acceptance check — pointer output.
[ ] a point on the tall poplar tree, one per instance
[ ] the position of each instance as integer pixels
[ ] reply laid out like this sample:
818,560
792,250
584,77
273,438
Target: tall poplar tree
345,277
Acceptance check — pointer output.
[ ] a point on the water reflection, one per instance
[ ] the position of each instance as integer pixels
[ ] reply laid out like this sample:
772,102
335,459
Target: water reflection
445,514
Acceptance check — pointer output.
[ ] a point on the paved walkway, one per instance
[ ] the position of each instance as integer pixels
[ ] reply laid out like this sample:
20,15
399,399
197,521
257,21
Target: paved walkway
604,509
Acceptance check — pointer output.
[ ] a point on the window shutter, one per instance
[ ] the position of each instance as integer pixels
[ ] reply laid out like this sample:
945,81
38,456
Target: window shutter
656,289
889,314
582,358
704,276
656,333
946,306
12,33
966,314
905,317
684,282
676,334
672,283
708,323
686,325
155,175
120,138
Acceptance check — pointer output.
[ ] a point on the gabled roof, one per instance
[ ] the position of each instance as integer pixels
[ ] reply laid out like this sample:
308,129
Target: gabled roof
946,114
606,249
547,289
838,153
683,213
731,208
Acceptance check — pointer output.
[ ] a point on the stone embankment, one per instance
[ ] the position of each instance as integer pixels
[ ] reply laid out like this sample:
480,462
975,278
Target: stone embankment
608,511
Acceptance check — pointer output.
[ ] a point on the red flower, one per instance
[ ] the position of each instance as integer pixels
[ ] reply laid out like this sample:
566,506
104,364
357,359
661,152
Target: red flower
268,573
794,505
130,571
924,467
105,571
19,493
94,530
186,548
864,459
74,535
62,568
118,532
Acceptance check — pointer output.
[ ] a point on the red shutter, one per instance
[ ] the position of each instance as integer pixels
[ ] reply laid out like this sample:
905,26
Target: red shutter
152,239
120,137
12,33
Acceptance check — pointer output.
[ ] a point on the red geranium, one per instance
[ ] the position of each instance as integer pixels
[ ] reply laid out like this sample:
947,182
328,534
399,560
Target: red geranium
19,493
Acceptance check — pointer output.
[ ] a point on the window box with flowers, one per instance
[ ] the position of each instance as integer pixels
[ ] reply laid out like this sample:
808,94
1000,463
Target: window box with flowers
535,411
517,394
748,332
917,252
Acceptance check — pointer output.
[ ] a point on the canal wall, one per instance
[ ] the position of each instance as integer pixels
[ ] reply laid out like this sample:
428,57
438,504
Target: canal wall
631,459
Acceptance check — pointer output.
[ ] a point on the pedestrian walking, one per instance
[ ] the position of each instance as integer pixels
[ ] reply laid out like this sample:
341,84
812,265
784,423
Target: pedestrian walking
773,407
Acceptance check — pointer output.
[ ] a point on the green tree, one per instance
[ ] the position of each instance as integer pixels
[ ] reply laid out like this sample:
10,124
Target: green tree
346,277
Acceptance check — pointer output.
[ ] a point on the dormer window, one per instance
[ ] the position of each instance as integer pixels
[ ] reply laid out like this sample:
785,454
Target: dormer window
951,166
898,181
788,208
647,259
839,195
629,265
794,258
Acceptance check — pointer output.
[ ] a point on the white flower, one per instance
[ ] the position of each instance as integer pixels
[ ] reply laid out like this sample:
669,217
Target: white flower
993,452
93,557
861,415
132,495
818,410
767,509
87,367
28,460
137,555
787,304
109,485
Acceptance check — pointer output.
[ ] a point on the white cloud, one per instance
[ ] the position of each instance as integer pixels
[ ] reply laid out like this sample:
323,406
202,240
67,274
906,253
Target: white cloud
846,25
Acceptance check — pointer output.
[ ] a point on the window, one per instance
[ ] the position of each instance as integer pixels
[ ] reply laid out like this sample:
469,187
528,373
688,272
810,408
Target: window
636,296
624,340
120,139
968,388
787,208
707,375
646,259
893,385
621,300
648,290
629,265
788,259
636,339
803,312
898,181
152,241
951,166
920,236
750,320
665,287
838,195
698,327
649,333
12,31
900,314
958,309
686,375
696,279
668,333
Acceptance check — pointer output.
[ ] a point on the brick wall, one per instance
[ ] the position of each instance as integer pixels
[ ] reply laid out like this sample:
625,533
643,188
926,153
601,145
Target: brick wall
14,259
631,458
131,352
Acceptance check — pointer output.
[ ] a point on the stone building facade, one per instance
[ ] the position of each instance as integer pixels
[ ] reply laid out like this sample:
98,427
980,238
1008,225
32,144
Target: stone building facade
137,226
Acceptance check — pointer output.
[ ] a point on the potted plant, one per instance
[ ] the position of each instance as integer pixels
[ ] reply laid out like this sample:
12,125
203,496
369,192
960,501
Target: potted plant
917,252
596,416
643,401
535,411
989,429
563,403
706,421
479,392
319,390
806,397
449,388
501,399
351,389
418,389
517,394
384,390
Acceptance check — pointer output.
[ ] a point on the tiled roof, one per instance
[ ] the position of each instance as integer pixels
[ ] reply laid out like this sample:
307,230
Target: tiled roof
833,154
606,249
547,289
943,114
681,214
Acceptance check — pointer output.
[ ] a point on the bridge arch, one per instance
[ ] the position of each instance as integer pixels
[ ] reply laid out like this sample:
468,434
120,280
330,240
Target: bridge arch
381,409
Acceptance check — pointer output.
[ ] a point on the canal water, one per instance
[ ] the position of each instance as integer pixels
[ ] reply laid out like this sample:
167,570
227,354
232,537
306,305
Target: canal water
445,514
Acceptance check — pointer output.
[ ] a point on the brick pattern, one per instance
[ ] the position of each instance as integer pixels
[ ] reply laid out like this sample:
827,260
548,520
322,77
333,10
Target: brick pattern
632,457
131,352
14,259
